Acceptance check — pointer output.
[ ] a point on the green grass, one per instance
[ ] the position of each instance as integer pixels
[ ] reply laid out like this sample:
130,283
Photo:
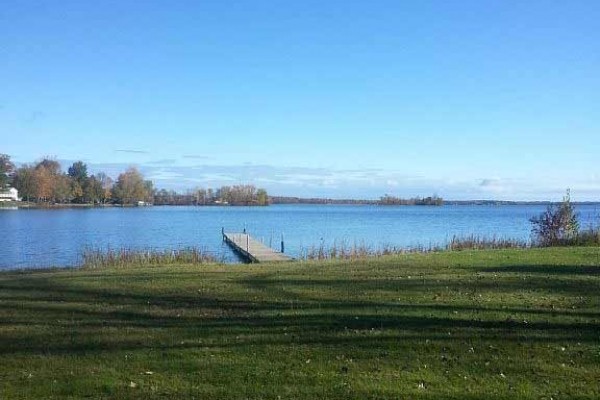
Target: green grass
463,325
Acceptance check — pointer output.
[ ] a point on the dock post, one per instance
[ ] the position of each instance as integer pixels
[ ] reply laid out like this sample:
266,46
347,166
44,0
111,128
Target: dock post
248,243
223,232
282,244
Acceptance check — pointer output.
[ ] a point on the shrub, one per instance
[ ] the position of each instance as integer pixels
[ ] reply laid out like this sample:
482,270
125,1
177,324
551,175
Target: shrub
558,225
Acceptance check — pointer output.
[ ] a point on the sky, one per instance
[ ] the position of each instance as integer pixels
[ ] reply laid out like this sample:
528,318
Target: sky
464,99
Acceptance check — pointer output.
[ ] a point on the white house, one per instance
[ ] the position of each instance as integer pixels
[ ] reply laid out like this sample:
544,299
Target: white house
10,194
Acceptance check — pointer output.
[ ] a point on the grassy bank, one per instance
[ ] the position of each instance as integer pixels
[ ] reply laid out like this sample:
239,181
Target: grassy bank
464,325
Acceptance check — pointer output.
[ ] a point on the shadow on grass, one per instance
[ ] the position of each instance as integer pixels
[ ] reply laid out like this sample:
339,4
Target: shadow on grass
72,329
563,270
51,315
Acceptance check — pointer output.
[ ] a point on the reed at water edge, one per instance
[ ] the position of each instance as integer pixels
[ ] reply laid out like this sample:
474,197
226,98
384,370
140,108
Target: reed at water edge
342,250
97,258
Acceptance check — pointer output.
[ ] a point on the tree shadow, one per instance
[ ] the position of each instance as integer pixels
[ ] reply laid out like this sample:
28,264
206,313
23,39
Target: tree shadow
575,270
57,315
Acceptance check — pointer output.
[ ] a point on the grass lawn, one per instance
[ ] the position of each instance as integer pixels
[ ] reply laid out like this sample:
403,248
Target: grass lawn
463,325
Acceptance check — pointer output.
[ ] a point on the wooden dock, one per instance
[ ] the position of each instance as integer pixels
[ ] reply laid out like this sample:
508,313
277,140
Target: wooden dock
252,250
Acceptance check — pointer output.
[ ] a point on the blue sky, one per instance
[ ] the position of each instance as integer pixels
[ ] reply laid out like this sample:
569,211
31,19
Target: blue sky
466,99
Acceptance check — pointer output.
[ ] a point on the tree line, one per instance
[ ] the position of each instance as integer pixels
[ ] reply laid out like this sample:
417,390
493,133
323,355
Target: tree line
388,200
319,200
45,182
384,200
237,195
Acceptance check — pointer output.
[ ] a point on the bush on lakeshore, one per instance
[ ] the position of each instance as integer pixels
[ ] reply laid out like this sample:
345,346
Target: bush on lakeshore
557,225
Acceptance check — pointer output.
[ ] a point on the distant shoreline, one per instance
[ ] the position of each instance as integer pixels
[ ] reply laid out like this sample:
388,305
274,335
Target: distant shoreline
316,201
28,204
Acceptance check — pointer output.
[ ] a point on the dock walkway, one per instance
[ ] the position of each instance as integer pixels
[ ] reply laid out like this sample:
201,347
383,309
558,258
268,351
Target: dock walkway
253,250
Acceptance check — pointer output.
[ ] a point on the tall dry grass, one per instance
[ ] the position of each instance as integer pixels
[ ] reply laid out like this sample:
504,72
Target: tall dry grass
344,251
120,258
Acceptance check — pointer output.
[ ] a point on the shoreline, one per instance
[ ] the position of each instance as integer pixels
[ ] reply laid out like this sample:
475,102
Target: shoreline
485,203
136,259
32,205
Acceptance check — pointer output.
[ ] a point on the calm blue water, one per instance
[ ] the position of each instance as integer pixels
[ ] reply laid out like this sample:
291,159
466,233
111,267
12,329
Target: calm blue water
42,238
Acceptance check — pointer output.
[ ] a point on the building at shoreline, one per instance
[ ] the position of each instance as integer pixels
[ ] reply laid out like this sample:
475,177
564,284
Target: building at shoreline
10,194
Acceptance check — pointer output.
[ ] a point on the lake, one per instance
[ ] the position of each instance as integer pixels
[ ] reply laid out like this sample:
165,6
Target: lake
57,237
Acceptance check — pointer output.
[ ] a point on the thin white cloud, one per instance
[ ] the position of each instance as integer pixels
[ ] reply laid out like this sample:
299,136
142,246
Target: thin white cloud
131,151
163,175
